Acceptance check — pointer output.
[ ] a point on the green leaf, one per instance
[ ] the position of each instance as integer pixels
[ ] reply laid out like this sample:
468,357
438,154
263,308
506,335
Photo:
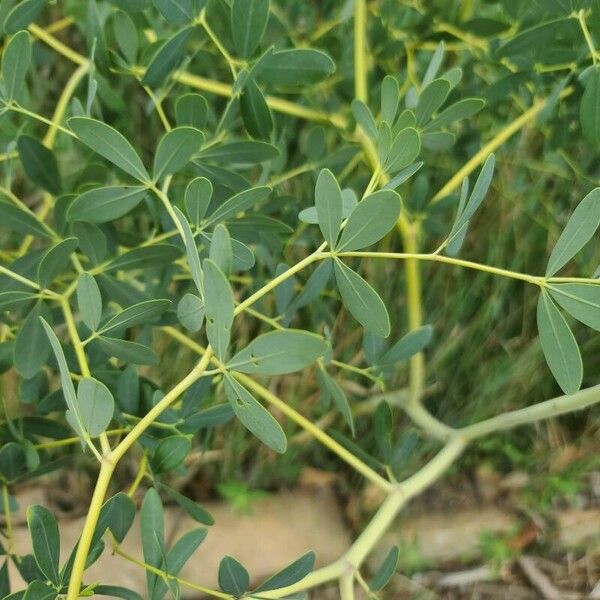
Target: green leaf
176,13
109,143
170,453
413,342
405,148
13,461
580,300
328,202
175,150
126,36
219,304
45,539
248,22
24,13
89,300
117,515
221,252
101,205
137,314
129,352
166,59
362,300
39,164
299,66
256,113
382,430
192,508
63,368
237,204
115,591
183,549
55,261
233,577
385,571
430,99
31,346
157,255
364,118
152,526
278,352
38,590
254,416
22,221
372,219
192,110
198,194
91,239
13,300
190,312
293,573
16,59
580,228
245,152
589,111
456,112
390,97
333,389
559,345
95,406
191,251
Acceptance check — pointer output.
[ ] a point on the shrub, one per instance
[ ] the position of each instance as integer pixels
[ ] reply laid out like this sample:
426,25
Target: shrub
204,175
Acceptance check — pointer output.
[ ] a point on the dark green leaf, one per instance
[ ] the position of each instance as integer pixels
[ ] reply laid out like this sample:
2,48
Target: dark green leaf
333,389
237,204
589,112
38,590
39,164
167,58
256,113
137,314
192,508
233,578
45,539
456,112
248,22
157,255
21,220
31,346
246,152
152,525
170,453
105,204
129,352
13,461
117,515
183,549
385,571
55,261
192,110
413,342
293,573
175,149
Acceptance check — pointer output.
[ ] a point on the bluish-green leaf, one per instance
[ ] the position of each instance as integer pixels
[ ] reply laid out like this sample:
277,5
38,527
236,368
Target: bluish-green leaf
22,221
129,352
170,453
328,202
55,261
31,345
190,312
109,143
559,345
218,299
95,407
413,342
456,112
364,118
362,300
101,205
39,164
334,389
237,204
430,99
254,416
589,111
404,150
167,58
278,352
198,194
192,110
89,300
256,113
233,577
191,251
16,59
291,574
580,300
370,221
578,231
385,571
137,314
152,526
175,150
299,66
45,539
390,97
248,22
24,13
